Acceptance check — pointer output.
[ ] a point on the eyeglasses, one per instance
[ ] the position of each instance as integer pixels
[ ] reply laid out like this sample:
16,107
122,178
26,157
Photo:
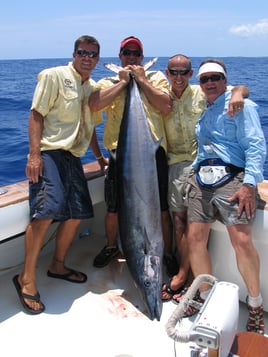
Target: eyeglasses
175,72
213,78
127,52
84,53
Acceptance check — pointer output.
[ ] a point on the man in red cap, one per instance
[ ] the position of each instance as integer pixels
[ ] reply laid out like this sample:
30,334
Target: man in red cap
131,40
110,97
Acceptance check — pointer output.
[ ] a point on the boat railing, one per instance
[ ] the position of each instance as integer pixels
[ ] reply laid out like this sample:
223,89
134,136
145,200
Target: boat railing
14,201
14,207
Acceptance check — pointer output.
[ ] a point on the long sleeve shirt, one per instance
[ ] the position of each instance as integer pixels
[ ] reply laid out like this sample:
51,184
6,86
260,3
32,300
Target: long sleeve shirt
238,141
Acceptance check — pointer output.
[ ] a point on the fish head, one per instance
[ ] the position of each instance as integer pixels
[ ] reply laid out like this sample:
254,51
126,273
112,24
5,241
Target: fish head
151,285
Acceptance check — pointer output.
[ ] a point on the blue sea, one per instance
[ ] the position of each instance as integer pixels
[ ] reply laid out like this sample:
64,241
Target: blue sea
18,80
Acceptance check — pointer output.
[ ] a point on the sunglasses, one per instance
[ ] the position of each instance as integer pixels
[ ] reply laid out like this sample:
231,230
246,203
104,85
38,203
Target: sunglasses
175,72
213,78
84,53
127,52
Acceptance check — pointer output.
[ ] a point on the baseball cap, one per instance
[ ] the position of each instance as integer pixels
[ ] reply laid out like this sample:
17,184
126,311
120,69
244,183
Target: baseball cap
131,39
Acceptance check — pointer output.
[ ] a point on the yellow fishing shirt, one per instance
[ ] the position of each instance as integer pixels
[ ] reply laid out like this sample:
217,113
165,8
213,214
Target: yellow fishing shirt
180,124
62,99
114,111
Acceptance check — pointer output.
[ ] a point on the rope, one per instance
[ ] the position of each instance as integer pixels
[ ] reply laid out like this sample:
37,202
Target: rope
175,318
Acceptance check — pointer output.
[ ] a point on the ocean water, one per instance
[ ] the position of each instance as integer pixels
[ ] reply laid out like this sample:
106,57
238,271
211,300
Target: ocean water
18,80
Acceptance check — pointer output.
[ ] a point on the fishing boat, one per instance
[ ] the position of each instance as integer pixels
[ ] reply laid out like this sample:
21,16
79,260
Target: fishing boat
106,317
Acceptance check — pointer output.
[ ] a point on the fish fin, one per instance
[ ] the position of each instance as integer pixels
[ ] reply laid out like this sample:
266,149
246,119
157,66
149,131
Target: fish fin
150,63
115,68
158,143
113,154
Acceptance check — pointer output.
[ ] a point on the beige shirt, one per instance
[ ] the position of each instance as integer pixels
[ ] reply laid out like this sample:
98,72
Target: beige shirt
180,124
62,99
114,111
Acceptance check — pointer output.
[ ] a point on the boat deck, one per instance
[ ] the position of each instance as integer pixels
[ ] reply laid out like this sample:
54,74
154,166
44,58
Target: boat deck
102,317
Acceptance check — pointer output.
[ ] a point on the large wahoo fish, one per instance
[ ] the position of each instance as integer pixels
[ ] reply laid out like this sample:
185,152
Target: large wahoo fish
139,205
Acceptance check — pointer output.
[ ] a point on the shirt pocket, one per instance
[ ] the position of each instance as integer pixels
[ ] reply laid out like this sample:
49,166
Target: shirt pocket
70,104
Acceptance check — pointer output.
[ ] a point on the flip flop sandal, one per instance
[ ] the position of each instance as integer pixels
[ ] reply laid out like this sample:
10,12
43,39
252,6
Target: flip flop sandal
166,288
69,276
23,296
176,300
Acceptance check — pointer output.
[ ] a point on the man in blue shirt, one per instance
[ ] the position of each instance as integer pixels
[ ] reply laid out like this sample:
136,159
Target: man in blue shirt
228,166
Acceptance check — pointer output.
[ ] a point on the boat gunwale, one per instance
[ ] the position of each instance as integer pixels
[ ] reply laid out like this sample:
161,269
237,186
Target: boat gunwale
18,192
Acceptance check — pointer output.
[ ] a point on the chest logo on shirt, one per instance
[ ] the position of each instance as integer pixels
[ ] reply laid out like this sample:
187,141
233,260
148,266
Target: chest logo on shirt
68,83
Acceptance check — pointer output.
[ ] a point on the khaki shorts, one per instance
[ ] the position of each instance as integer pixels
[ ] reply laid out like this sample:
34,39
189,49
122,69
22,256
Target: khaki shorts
177,176
210,204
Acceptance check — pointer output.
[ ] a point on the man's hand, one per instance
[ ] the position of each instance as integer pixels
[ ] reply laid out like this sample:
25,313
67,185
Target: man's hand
103,163
236,104
34,167
138,73
246,200
124,75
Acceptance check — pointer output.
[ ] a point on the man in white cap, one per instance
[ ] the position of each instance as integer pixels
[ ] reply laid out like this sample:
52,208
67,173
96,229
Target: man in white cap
228,166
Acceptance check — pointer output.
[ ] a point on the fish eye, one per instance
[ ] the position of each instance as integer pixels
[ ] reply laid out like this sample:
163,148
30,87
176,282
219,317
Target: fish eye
147,283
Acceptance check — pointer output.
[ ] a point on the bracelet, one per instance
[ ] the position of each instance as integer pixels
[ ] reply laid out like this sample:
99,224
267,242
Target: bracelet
99,157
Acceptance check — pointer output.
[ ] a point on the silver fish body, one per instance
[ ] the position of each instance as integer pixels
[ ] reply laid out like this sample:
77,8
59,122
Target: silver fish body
139,211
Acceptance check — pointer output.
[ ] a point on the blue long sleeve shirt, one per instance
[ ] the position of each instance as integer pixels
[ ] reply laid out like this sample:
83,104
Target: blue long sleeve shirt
238,141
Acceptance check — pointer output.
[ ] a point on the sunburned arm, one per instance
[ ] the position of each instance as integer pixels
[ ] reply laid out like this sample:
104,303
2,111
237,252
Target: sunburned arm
94,144
236,103
155,96
34,166
103,97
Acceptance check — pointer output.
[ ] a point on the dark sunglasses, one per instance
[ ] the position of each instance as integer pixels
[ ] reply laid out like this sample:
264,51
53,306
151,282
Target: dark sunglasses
127,52
84,53
213,78
175,72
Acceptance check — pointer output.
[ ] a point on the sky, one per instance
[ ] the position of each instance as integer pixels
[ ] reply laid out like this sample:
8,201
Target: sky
47,29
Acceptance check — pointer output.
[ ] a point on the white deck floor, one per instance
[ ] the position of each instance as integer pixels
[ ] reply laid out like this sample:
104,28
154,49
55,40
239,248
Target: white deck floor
101,318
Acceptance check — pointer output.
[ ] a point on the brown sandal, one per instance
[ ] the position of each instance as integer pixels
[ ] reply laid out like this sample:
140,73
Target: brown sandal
166,288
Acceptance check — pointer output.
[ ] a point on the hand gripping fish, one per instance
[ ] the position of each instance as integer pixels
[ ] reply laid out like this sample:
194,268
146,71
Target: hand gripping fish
139,211
115,68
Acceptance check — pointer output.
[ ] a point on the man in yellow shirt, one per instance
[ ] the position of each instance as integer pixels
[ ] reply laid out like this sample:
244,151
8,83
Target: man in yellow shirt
110,98
60,129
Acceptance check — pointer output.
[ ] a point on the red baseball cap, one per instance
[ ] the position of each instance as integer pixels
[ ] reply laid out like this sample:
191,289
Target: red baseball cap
131,39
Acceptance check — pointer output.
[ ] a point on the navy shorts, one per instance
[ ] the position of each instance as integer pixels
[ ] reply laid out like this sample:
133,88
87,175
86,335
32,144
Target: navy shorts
62,192
110,183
